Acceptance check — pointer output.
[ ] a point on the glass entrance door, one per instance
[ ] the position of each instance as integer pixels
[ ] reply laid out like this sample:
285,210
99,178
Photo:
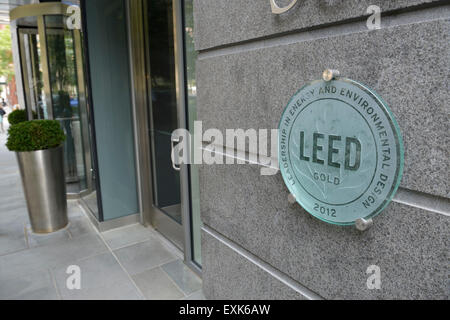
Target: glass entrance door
166,115
62,65
53,77
32,72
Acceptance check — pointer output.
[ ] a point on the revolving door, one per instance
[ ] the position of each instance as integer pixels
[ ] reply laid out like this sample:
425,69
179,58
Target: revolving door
51,56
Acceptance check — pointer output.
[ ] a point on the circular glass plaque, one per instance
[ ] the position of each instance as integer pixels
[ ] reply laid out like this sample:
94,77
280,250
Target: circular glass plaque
340,151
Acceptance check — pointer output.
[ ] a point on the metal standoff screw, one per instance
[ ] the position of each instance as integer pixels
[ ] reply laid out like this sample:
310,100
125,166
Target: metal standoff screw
363,224
330,74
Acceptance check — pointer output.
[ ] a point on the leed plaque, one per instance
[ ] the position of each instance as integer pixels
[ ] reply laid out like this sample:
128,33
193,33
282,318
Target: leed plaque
340,151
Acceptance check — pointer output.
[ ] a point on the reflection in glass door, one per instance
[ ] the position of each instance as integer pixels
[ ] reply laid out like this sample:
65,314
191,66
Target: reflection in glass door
32,72
62,63
165,117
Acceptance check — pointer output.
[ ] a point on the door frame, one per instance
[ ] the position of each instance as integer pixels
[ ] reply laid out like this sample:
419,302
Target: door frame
161,221
180,236
27,73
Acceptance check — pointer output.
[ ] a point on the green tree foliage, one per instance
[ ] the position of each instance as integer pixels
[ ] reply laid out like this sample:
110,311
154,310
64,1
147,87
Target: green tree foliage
6,56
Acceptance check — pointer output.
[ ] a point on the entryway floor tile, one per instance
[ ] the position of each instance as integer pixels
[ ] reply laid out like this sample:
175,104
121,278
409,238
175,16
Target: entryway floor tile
144,256
156,285
184,277
36,285
125,236
101,277
132,262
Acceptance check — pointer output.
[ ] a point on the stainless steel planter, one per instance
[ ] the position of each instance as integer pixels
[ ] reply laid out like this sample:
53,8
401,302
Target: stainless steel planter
44,184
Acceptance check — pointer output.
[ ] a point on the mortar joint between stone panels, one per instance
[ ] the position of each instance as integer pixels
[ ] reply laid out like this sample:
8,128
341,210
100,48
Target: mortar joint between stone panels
266,267
436,207
311,33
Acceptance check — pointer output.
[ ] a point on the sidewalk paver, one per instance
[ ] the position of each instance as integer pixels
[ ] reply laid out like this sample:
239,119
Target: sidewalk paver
132,262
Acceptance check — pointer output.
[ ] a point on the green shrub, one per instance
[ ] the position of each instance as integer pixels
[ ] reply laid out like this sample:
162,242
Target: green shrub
17,117
35,135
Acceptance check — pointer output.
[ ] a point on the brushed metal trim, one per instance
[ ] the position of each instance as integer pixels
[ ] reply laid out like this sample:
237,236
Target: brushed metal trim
84,121
42,174
119,222
140,110
17,64
182,124
73,196
172,230
38,9
169,228
108,224
423,201
45,66
25,66
91,216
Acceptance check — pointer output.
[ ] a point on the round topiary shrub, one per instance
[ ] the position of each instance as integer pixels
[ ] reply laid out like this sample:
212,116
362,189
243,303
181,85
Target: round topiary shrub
17,117
35,135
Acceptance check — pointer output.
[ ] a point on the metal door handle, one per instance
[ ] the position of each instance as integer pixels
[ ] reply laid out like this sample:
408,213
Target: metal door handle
172,153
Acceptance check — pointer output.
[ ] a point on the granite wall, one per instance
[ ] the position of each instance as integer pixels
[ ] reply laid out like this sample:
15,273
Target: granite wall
256,244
